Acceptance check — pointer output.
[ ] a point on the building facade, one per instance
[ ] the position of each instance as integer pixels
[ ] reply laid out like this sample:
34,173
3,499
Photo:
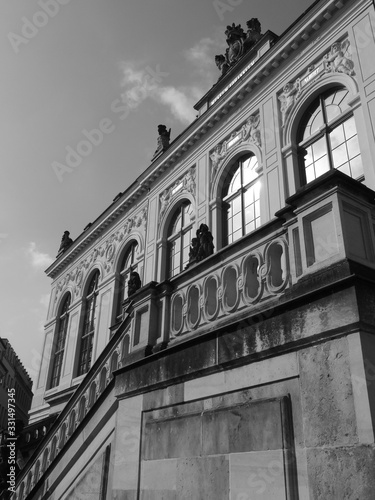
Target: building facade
13,376
245,370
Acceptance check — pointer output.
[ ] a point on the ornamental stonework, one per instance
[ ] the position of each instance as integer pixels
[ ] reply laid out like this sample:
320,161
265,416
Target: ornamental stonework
104,253
249,131
338,60
186,183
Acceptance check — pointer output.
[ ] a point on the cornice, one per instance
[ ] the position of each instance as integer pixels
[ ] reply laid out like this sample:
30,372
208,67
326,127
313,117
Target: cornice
310,23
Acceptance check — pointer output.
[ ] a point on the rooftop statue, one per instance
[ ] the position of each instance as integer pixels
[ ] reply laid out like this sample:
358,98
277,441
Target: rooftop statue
163,141
238,43
253,33
65,242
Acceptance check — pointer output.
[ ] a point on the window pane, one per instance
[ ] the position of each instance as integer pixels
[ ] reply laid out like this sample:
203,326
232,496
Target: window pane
345,168
350,128
187,214
353,147
316,117
337,136
356,167
236,205
319,149
177,224
339,155
316,122
249,173
321,166
235,183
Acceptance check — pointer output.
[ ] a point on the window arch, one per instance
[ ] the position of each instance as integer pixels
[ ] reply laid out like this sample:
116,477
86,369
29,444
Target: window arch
327,137
179,238
241,198
60,339
88,327
129,263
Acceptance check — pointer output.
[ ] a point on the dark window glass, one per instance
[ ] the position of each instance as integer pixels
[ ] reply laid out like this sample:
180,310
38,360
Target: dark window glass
179,239
62,328
87,337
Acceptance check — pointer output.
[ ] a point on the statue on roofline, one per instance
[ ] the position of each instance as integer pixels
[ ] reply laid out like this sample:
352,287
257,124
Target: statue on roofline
66,241
238,43
163,141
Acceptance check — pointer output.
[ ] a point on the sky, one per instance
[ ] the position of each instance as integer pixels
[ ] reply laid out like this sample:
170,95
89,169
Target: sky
108,70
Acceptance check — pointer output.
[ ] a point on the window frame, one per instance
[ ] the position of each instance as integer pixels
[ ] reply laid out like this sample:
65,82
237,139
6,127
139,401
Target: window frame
88,325
60,341
133,249
235,166
323,132
180,235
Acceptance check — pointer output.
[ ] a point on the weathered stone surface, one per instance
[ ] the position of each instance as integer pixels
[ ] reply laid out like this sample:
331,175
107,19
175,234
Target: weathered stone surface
179,437
258,475
205,478
124,495
326,395
342,473
243,428
163,397
158,480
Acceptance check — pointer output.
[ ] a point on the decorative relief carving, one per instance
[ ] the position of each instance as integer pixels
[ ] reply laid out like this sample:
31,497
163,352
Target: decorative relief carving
338,60
185,183
104,253
250,131
238,42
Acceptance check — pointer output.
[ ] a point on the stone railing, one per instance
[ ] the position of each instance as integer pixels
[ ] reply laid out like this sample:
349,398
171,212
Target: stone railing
259,272
75,412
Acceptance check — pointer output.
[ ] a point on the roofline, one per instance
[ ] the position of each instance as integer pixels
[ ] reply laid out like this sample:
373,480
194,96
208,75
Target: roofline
192,133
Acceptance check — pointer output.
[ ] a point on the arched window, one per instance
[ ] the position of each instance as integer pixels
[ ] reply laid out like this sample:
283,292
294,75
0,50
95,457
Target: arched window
88,329
241,199
129,263
62,329
179,239
328,138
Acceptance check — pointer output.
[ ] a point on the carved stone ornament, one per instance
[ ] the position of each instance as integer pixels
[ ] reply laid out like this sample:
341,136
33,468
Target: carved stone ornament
104,253
66,241
338,60
185,183
163,141
134,283
202,246
238,44
250,131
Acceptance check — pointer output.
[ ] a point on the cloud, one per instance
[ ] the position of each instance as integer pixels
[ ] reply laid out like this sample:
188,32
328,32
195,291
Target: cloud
140,81
179,102
202,57
39,260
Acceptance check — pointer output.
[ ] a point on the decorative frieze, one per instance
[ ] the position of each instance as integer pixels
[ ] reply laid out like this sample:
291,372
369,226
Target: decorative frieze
338,60
249,131
104,253
185,183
